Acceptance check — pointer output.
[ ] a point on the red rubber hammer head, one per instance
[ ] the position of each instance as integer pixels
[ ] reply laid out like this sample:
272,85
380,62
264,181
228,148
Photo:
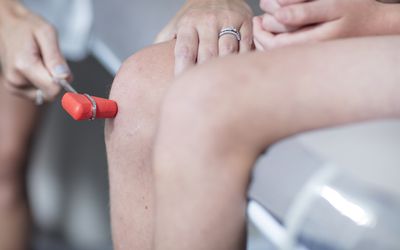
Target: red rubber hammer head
85,107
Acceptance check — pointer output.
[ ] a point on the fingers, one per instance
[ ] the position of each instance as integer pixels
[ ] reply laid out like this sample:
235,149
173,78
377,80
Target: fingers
29,94
198,28
262,39
306,35
47,39
271,24
39,74
186,48
270,6
258,45
29,72
257,28
208,43
228,44
306,13
36,73
246,43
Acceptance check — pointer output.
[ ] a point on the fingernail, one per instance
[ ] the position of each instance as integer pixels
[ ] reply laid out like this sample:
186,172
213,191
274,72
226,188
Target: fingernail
61,71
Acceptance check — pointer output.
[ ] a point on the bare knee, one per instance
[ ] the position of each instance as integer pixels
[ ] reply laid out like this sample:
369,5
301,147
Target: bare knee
137,88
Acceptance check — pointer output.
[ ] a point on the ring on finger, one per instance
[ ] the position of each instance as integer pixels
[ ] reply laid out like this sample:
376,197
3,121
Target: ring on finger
39,100
230,31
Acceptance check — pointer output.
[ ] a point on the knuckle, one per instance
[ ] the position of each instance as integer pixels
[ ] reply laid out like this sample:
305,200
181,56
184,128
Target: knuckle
190,18
46,29
211,18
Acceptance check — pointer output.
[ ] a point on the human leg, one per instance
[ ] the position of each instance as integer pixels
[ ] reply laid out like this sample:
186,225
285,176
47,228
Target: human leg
216,120
139,88
17,122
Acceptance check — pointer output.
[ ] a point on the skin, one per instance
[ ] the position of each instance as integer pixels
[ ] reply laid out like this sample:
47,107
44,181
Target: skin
139,90
194,30
196,26
16,126
199,98
289,22
29,53
202,176
29,58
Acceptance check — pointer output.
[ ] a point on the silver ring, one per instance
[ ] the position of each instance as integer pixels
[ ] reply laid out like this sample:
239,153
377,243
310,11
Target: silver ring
39,100
94,106
230,31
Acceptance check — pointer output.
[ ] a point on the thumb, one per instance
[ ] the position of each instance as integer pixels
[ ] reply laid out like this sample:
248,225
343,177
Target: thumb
53,59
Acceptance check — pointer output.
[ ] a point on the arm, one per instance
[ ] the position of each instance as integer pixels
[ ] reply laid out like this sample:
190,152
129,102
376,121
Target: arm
29,52
197,25
329,19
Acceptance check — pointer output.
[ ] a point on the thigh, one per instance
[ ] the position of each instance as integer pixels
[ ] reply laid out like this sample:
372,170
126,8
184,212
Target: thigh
259,98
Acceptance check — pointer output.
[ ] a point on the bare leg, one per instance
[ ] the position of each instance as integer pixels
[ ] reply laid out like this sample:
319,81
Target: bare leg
218,118
139,88
17,122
